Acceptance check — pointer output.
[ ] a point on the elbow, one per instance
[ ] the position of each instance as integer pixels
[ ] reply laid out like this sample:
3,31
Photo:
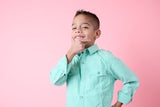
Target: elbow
138,84
135,82
135,85
57,81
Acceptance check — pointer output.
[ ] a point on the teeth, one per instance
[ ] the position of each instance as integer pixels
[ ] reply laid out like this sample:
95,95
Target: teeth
79,36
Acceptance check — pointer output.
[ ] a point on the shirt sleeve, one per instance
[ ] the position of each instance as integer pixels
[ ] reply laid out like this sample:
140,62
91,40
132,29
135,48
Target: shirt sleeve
58,74
130,81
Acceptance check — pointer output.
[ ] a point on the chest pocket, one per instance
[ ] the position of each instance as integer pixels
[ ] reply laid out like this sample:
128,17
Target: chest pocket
97,69
95,75
98,77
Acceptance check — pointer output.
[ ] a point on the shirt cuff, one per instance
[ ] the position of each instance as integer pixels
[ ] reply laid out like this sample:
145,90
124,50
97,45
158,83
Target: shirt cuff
125,99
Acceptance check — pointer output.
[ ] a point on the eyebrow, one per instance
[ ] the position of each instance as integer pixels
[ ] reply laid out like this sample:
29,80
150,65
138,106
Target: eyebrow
82,24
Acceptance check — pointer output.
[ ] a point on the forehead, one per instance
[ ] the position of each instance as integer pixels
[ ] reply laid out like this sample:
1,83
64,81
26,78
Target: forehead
82,19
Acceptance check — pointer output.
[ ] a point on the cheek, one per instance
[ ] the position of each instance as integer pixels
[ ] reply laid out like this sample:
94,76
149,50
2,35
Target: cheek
72,35
94,38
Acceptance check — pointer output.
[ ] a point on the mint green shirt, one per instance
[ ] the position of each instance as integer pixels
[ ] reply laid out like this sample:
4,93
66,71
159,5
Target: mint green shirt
90,78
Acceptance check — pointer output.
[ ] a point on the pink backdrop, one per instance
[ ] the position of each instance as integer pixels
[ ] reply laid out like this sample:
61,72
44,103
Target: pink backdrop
35,34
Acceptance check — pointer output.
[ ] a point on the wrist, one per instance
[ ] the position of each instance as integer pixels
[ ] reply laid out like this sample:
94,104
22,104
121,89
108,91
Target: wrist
119,104
70,55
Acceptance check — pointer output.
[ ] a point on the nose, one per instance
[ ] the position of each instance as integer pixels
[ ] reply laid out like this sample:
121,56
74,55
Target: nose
78,31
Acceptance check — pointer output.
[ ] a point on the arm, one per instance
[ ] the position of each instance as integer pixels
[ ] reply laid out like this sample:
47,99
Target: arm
117,104
59,74
130,82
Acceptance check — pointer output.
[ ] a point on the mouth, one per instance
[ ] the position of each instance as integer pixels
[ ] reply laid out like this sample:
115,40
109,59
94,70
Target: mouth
79,36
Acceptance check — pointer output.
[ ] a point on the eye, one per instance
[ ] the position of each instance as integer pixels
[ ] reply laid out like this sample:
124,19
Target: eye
85,27
73,28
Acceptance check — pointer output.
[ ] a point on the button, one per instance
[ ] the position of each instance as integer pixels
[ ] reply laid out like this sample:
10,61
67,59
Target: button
98,72
63,74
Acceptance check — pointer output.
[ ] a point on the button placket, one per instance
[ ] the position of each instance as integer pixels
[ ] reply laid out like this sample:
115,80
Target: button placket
82,62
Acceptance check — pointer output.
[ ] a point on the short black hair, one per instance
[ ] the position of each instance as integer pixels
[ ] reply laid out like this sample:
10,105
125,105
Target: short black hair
91,15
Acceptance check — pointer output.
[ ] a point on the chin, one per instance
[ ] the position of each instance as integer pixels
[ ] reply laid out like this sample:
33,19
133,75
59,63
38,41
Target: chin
87,46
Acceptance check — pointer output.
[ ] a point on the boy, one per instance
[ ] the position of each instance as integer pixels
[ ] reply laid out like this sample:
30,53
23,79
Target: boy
90,72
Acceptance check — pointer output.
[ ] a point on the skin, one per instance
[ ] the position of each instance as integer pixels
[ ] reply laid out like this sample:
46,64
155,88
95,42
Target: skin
83,36
117,104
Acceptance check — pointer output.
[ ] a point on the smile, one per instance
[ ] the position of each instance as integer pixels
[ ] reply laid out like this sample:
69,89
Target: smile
79,36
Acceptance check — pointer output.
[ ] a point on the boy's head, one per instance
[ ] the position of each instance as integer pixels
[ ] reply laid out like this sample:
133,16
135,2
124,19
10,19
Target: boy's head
92,16
86,25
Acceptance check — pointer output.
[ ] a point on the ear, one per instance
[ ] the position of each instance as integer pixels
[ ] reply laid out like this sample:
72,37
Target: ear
98,33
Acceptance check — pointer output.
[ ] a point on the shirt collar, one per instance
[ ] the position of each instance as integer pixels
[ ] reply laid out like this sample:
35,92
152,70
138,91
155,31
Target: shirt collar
90,50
